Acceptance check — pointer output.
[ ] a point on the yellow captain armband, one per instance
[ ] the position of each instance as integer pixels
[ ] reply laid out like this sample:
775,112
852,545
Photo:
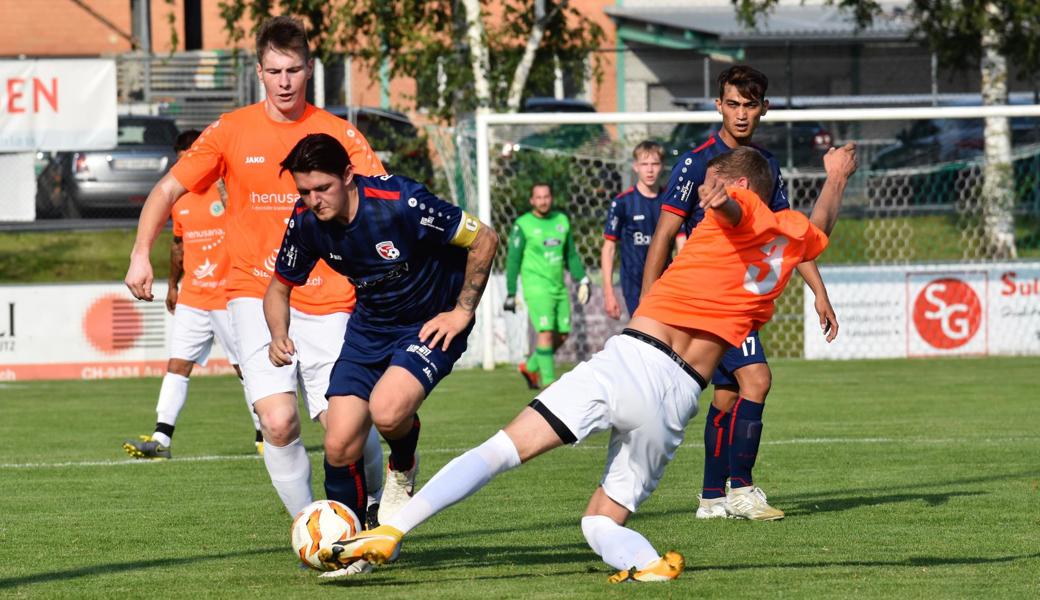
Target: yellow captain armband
467,231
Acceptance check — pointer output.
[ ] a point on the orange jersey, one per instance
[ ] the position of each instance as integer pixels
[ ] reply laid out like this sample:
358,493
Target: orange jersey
245,147
198,219
726,278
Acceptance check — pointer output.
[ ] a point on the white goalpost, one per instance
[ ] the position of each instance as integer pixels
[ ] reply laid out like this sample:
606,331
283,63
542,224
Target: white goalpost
895,185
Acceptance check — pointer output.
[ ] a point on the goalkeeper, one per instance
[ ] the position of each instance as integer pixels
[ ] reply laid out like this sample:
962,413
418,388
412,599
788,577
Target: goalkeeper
539,246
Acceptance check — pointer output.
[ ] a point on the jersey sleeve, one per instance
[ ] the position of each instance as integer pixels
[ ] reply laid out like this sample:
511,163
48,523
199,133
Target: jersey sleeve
615,218
515,257
362,157
295,258
434,220
680,195
779,200
570,253
203,164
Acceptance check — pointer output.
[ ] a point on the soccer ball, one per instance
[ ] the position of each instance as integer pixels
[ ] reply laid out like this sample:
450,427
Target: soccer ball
317,526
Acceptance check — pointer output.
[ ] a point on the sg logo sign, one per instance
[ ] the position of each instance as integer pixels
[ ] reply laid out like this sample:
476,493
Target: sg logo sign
947,313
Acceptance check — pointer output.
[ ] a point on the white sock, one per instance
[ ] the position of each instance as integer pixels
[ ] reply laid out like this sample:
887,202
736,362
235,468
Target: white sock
373,452
459,479
290,472
172,396
618,546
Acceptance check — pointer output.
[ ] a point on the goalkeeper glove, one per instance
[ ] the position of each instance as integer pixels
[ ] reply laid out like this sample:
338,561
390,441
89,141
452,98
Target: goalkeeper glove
509,304
584,290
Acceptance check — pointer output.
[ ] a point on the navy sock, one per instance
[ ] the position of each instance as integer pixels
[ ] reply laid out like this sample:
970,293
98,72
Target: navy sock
402,451
716,454
347,485
744,436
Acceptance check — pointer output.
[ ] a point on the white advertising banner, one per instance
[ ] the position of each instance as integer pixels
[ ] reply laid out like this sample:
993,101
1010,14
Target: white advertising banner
57,105
86,331
929,310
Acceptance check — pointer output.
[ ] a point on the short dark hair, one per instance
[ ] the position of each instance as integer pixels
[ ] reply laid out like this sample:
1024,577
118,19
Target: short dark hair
282,34
746,162
751,83
540,184
648,147
317,152
185,139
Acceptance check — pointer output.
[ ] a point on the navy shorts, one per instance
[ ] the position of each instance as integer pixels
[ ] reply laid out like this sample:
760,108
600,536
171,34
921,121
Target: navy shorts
368,352
748,353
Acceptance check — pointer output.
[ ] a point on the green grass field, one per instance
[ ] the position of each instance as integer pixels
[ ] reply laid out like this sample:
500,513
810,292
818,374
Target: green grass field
899,478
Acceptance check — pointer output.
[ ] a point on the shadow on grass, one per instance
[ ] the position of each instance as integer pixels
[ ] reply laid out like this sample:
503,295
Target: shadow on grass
911,562
137,565
805,507
988,478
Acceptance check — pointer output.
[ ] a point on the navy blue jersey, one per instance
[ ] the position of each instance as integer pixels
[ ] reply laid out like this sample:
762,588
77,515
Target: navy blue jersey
396,251
631,220
680,195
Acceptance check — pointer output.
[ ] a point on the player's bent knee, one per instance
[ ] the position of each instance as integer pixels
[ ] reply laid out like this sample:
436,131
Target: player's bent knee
755,383
280,421
391,418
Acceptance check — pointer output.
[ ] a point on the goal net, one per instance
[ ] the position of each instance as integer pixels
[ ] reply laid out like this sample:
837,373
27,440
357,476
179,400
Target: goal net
922,209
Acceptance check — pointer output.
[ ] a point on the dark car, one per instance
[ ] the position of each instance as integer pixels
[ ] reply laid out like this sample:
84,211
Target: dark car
797,144
396,141
932,141
558,137
116,180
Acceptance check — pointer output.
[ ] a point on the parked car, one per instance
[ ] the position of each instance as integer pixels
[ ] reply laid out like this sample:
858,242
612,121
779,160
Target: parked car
559,137
73,184
933,141
396,141
809,140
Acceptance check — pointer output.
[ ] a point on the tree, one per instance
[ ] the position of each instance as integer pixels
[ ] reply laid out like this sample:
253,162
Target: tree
964,32
460,59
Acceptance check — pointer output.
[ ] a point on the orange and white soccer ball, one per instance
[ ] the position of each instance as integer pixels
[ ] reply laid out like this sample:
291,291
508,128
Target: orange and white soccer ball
319,525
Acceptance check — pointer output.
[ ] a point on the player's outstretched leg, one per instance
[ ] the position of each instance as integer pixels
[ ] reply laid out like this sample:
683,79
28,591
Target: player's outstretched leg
622,548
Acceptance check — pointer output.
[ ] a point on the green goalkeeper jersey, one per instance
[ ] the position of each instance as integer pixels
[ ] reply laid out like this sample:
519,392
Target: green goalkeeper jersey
539,247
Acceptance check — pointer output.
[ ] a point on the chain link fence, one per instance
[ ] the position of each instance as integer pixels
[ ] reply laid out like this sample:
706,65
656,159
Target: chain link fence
917,196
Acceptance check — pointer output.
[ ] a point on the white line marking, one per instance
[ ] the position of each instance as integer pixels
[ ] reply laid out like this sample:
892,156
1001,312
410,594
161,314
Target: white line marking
456,451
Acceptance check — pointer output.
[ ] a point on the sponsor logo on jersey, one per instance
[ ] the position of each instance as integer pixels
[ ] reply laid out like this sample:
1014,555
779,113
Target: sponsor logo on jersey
269,262
289,256
640,239
254,160
205,270
552,242
184,211
201,234
420,349
335,256
429,374
638,217
684,192
387,250
287,198
428,222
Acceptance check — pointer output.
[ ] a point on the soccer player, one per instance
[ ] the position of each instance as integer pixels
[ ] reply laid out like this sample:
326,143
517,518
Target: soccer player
631,220
644,385
540,247
244,147
419,265
199,309
733,425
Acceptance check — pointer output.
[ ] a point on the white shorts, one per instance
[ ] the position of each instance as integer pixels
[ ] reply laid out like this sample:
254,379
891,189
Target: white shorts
193,333
642,396
318,339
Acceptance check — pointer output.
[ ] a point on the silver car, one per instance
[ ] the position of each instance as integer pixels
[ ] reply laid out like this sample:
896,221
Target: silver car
111,182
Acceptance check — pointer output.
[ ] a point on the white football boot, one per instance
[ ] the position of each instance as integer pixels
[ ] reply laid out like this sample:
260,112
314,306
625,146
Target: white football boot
397,490
712,508
750,503
358,567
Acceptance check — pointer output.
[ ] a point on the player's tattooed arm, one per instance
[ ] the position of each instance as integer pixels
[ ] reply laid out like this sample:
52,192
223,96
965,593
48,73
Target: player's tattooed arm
443,328
176,271
478,268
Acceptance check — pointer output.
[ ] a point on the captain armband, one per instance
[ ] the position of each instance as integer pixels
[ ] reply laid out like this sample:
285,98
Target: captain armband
467,231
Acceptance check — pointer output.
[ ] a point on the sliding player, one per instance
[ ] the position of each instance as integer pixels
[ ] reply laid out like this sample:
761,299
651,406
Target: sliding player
419,265
644,385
